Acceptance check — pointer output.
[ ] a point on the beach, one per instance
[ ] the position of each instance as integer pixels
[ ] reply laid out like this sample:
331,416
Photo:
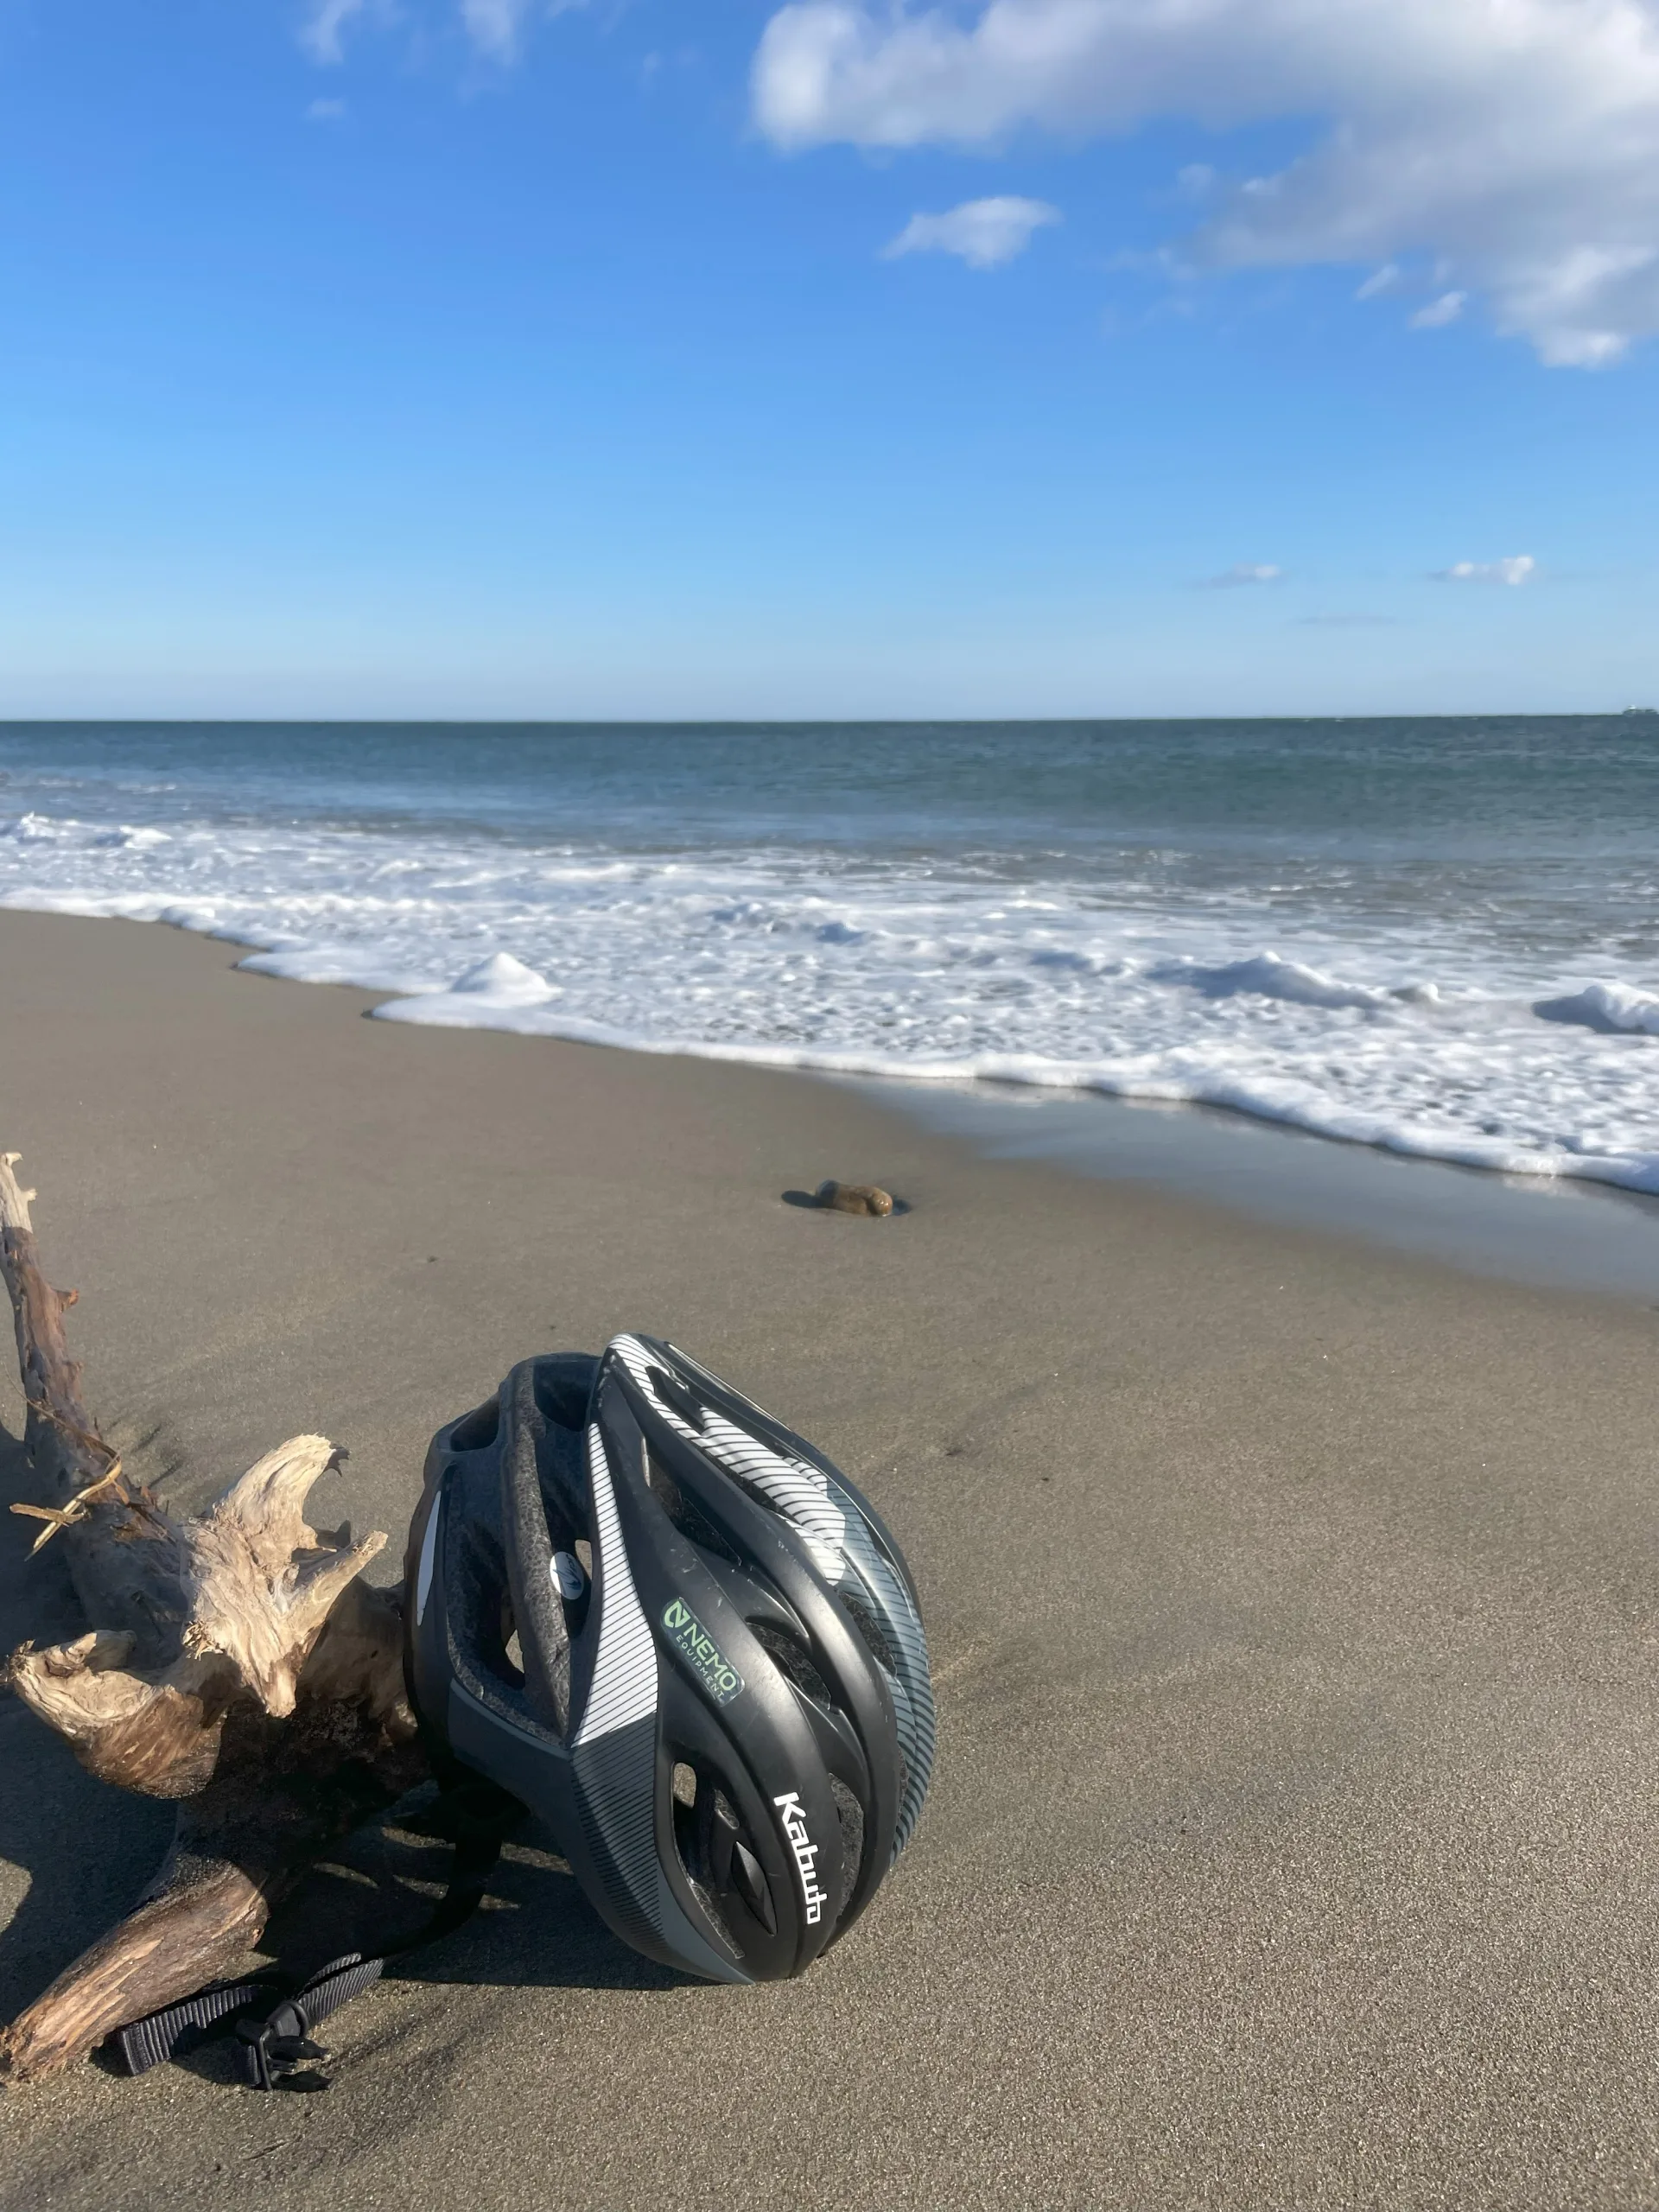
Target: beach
1290,1602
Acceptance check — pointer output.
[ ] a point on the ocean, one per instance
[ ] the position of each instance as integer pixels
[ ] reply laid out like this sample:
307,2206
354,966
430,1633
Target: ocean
1440,936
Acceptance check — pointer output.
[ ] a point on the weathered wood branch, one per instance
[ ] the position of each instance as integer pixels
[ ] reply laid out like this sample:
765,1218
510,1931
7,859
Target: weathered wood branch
235,1661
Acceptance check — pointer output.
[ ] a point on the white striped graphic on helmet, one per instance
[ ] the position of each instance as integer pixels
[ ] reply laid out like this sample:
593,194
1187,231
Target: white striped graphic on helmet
429,1555
800,1493
841,1545
624,1687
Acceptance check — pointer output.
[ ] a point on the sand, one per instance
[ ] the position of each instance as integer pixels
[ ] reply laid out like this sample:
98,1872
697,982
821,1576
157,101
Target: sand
1292,1608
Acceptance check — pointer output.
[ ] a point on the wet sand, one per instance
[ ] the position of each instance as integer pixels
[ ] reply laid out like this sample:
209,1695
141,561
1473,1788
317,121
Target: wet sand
1293,1607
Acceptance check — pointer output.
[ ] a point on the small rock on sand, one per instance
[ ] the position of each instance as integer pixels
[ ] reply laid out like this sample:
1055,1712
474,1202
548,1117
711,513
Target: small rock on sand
855,1197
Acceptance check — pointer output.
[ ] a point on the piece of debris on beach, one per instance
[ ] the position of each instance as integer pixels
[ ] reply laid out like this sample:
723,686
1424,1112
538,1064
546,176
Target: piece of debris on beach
235,1666
855,1197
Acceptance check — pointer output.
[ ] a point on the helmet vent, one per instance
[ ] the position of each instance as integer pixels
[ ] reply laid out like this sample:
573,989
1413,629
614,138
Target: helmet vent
706,1833
561,1397
508,1656
671,1391
686,1514
870,1629
749,1880
850,1813
792,1660
476,1431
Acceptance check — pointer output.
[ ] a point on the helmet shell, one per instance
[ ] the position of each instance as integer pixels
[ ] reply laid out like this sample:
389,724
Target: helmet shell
682,1637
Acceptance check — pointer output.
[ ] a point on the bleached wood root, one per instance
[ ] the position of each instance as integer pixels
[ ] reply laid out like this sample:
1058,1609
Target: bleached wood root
235,1661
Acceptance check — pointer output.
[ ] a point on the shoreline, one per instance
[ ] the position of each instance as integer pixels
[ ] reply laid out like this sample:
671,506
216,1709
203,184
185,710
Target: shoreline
1290,1603
690,916
1568,1232
1265,1166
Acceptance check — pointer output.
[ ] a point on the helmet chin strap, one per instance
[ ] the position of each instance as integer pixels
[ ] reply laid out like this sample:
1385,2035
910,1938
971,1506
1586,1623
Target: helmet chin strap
275,2050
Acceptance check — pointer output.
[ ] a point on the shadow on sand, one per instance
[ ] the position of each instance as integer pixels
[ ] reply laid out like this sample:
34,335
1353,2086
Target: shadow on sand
810,1200
76,1854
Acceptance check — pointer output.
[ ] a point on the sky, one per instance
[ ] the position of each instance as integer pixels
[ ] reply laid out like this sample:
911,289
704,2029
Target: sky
651,358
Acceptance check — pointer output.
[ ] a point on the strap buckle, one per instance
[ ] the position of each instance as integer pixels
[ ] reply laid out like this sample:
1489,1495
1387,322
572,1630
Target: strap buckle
270,2050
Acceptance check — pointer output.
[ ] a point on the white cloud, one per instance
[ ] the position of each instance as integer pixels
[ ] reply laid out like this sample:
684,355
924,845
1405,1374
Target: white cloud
983,232
1516,140
1243,573
1439,313
493,26
1380,280
326,111
1514,569
320,33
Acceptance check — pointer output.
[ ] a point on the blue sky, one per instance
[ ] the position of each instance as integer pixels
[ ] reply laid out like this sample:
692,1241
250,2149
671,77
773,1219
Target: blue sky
483,359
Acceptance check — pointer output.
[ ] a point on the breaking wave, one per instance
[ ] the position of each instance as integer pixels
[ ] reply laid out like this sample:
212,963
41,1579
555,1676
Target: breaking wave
1416,1033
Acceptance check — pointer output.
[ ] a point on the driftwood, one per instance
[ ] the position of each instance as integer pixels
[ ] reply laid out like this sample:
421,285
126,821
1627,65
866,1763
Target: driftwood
235,1663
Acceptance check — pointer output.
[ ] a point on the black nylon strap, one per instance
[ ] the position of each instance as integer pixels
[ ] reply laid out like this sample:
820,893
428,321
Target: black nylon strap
263,2044
146,2043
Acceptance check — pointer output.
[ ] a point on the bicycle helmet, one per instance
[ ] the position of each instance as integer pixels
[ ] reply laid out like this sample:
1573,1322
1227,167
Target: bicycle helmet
684,1639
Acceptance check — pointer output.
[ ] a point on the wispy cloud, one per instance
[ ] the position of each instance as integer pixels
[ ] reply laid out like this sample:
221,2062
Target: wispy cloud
320,33
1517,145
1243,574
1380,280
1513,569
494,26
326,111
1439,313
983,232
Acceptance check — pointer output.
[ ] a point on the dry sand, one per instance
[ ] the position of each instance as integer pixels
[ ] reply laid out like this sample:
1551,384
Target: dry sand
1293,1607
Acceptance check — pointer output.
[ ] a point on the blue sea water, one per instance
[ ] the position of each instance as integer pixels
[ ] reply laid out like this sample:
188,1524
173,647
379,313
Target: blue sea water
1439,936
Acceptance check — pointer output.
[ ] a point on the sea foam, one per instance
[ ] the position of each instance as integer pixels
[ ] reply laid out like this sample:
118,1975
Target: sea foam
1415,1030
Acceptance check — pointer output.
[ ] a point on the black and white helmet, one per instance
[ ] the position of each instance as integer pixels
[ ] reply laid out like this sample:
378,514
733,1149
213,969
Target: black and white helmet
680,1636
